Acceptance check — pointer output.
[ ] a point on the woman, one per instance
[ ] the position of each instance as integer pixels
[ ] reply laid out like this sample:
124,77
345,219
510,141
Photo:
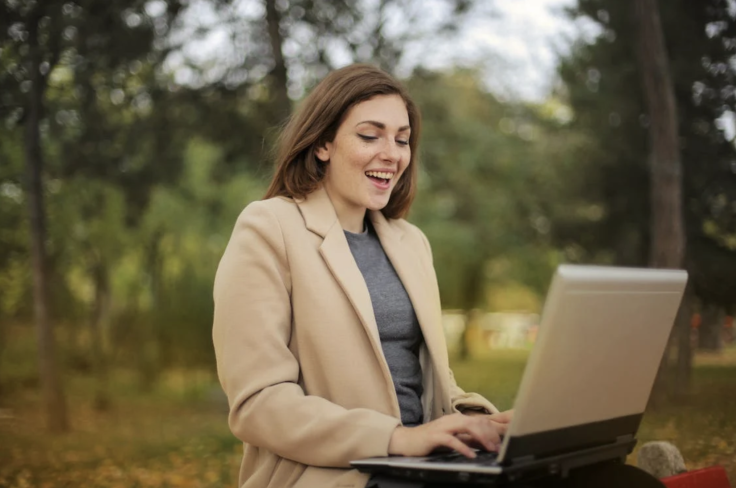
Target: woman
327,325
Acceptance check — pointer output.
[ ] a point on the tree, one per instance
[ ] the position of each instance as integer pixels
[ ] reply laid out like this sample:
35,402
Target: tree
34,25
66,57
668,236
600,79
279,74
125,138
475,201
668,239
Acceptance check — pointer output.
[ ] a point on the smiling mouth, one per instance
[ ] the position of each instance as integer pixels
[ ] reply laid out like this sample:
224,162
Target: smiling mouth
381,177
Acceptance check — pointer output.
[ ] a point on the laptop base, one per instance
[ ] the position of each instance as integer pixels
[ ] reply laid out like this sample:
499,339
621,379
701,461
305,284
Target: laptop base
519,471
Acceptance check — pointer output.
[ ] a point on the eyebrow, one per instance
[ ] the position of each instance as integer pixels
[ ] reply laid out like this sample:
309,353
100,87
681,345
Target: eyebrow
381,125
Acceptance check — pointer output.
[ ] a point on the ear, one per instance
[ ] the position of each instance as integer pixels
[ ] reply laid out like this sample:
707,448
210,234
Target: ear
323,152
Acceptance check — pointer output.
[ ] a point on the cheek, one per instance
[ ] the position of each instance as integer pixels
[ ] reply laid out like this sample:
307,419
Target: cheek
361,154
353,156
404,165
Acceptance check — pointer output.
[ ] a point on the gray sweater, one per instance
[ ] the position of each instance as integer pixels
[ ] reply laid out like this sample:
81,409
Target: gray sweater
398,327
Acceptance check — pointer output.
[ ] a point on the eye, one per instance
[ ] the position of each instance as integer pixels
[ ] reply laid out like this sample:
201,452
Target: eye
402,142
367,138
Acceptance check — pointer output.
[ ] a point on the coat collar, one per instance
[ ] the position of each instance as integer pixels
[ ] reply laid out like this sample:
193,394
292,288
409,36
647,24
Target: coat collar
320,217
318,213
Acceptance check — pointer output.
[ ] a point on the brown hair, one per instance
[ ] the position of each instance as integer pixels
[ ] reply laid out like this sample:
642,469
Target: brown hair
299,171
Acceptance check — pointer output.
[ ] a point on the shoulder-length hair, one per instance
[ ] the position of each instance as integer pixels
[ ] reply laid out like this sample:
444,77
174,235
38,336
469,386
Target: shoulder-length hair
299,171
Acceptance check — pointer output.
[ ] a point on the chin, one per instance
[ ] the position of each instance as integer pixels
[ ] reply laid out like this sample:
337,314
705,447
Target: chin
377,205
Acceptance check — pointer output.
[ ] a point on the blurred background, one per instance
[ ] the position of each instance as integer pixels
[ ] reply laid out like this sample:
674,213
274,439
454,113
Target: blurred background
133,132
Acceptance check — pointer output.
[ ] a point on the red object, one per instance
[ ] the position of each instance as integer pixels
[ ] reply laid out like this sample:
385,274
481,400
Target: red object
695,320
710,477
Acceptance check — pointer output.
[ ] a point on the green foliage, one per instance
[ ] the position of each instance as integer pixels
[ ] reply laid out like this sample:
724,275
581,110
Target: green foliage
112,132
146,175
601,83
187,226
489,170
14,266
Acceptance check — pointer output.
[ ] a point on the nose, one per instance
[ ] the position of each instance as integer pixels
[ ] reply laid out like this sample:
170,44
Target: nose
390,152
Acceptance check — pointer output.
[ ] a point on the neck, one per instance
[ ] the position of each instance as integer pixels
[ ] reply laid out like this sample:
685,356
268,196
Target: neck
352,219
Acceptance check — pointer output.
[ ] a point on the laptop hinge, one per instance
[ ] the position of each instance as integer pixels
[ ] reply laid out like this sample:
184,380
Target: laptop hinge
624,438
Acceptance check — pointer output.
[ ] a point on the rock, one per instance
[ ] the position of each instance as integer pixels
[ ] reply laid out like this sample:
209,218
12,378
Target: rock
660,459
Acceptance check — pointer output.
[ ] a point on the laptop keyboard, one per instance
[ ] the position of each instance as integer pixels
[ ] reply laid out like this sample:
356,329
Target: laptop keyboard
482,459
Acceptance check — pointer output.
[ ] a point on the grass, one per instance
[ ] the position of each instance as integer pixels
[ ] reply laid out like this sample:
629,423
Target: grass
169,438
177,436
703,426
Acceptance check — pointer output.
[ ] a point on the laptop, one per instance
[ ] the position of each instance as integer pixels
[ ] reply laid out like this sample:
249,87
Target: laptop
585,386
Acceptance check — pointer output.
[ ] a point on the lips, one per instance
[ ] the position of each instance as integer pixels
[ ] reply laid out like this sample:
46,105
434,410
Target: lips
380,183
380,178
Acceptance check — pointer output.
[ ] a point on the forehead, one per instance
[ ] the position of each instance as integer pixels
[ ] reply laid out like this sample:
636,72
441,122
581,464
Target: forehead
387,109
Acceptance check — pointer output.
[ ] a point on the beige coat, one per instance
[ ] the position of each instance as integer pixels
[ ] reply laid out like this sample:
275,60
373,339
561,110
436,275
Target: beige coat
297,346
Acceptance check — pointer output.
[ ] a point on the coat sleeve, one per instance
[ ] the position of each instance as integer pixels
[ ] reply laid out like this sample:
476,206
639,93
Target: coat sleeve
460,400
258,371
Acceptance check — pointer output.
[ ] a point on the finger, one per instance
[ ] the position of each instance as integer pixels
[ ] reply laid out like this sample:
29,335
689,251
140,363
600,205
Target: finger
470,441
454,443
501,429
480,430
466,439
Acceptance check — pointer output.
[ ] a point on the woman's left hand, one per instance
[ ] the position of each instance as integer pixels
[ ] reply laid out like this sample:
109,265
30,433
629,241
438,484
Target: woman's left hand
500,422
502,418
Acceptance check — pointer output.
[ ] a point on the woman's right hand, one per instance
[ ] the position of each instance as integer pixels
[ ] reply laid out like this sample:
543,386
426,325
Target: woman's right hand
446,431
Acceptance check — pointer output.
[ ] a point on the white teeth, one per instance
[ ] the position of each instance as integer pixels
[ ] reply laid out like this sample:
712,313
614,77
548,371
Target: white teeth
380,174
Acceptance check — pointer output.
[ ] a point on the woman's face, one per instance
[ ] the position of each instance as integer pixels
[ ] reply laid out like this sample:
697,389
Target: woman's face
368,154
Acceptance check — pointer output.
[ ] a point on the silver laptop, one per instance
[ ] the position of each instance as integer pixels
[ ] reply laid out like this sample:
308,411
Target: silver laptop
586,383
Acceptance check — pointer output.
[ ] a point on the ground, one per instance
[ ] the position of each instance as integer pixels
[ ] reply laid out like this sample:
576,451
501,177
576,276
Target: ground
177,435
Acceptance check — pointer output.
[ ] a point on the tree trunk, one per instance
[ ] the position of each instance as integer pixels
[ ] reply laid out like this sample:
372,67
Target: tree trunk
150,361
53,396
683,333
100,315
668,237
278,74
667,227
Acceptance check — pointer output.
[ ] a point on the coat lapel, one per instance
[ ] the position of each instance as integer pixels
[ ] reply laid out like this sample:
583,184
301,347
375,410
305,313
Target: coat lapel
320,218
336,253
